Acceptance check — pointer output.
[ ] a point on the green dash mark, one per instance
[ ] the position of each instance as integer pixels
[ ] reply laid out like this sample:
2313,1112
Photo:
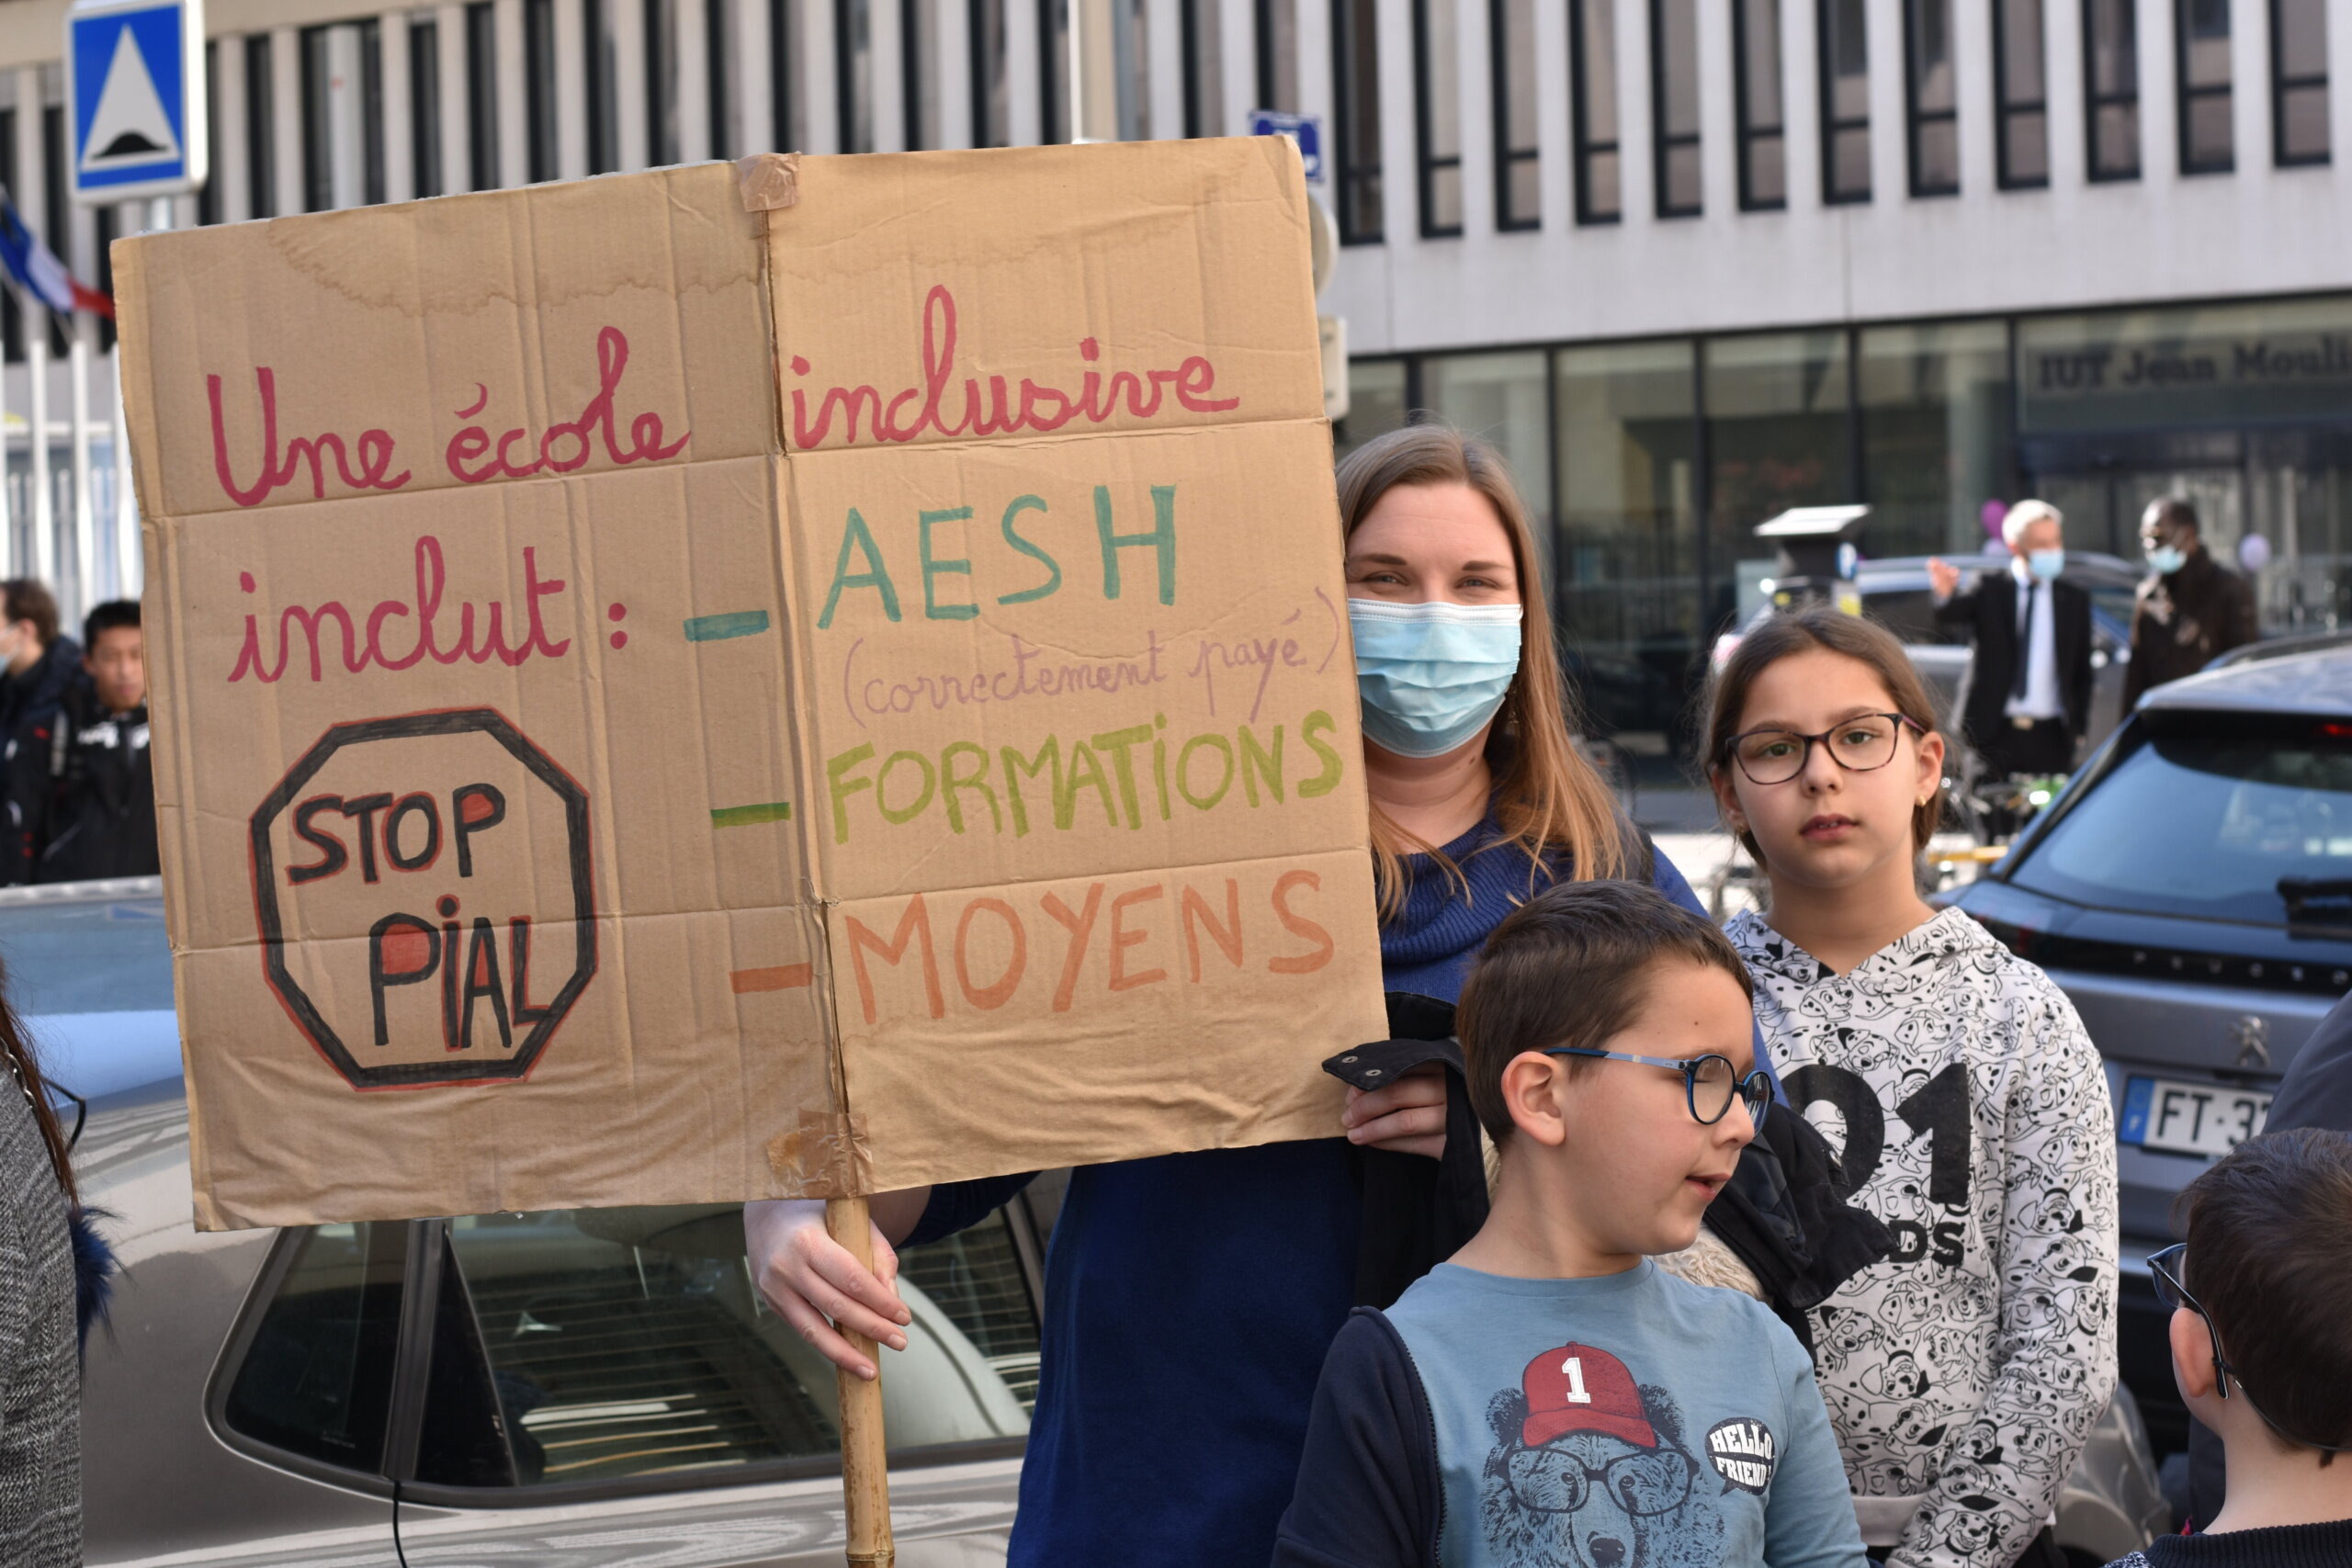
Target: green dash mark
717,628
744,815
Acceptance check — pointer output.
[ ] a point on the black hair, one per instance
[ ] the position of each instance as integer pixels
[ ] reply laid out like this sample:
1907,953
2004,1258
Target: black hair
1566,969
112,615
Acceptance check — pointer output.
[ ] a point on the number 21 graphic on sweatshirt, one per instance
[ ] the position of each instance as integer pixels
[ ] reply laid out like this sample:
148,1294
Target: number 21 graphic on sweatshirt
1592,1470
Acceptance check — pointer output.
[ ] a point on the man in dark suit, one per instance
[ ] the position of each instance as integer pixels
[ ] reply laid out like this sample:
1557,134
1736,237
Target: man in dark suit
2030,686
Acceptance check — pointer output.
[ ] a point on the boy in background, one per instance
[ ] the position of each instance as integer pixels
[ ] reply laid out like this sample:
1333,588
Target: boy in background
2262,1350
1550,1398
89,798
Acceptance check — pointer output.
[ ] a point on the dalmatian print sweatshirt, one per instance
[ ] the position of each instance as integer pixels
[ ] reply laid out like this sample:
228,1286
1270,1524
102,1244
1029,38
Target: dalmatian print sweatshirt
1964,1371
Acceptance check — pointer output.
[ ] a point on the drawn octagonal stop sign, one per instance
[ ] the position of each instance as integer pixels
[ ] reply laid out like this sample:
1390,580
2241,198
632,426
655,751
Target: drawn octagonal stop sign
424,888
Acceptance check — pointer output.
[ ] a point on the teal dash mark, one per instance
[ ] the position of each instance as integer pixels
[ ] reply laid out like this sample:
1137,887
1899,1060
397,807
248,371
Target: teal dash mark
744,815
719,629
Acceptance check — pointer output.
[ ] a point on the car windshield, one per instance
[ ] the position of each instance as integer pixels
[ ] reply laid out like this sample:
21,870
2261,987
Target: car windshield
92,978
2228,822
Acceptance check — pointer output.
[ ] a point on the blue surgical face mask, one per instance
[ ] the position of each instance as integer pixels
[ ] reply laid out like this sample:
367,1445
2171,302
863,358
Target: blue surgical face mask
2166,560
1432,674
2046,565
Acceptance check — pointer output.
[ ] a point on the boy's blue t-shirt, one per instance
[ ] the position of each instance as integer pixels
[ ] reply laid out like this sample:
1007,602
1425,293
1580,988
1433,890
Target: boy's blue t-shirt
1632,1420
1190,1299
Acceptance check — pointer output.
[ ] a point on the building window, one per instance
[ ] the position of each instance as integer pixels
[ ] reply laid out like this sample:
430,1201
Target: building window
1438,117
1779,434
603,84
1674,106
991,92
208,196
1506,399
2111,87
1756,83
1628,565
1592,65
2298,82
784,129
538,52
1053,68
1932,136
2021,96
261,129
482,94
919,75
2201,42
1355,140
425,105
1277,41
1204,67
1519,200
853,72
1845,102
1934,404
720,49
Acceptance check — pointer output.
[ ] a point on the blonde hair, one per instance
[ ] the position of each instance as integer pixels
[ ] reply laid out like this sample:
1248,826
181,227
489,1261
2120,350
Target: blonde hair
1546,797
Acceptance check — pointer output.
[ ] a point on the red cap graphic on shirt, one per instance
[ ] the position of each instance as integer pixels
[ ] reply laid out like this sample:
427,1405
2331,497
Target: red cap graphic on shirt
1578,1389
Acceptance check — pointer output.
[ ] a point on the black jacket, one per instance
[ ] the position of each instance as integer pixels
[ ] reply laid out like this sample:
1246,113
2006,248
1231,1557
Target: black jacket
27,703
1990,611
2181,623
93,813
1784,1213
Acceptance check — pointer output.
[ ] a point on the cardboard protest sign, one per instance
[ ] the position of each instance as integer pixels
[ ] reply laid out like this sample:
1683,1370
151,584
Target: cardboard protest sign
658,702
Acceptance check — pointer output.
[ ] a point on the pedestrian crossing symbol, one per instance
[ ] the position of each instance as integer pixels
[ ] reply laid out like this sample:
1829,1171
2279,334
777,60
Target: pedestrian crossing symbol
133,73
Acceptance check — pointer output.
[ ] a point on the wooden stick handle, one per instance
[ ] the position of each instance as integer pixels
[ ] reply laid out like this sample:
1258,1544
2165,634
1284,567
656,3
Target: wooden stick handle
865,1459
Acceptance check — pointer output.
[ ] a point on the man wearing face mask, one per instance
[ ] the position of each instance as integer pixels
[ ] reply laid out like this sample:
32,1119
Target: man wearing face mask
2191,609
2029,695
37,667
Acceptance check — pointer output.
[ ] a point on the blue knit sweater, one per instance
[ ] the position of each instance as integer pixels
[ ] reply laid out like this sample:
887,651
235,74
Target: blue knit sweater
1190,1299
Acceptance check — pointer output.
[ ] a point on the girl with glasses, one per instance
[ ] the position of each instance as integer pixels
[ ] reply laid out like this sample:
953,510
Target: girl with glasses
1965,1370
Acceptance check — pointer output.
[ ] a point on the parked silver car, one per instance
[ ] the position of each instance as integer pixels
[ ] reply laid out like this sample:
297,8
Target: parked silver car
580,1389
592,1389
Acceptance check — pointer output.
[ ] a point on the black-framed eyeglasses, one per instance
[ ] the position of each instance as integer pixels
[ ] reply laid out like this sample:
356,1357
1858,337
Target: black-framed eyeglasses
1646,1484
1859,745
1710,1083
2163,1269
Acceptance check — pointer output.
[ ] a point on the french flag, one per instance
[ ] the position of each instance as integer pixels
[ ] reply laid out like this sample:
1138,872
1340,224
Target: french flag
39,271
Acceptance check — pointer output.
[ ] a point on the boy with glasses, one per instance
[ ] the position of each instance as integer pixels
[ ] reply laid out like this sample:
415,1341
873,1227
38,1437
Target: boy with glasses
1550,1397
2262,1350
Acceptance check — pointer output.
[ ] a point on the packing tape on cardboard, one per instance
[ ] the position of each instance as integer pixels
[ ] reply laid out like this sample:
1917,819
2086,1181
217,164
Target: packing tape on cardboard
770,181
827,1156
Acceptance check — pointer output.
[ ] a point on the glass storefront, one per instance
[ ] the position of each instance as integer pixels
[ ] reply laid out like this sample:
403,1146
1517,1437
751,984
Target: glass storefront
1649,464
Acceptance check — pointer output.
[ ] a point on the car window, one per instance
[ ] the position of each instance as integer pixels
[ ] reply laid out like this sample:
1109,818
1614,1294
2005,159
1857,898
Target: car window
1910,614
316,1378
2208,825
93,979
603,1344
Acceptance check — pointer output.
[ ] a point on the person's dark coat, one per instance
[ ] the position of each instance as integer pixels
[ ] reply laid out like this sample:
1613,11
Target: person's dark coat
1783,1214
97,817
28,704
2316,1093
1989,611
2182,621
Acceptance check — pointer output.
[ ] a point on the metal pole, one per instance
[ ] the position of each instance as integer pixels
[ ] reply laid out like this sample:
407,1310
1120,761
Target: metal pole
129,561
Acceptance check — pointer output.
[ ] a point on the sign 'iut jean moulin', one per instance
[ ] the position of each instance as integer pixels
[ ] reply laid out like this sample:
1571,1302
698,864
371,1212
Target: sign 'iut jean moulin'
694,686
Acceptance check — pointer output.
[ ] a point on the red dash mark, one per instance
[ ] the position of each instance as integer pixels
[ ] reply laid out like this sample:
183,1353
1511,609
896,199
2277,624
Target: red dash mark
783,977
614,612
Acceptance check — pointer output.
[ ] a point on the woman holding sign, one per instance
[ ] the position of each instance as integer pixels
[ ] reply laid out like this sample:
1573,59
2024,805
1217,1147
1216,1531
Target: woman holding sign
1190,1299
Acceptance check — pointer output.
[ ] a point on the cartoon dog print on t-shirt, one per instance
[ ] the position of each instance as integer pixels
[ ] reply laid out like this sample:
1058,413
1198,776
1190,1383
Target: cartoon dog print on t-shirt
1592,1470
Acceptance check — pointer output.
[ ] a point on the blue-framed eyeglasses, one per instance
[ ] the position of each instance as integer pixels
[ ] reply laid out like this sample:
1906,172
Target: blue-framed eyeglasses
1710,1083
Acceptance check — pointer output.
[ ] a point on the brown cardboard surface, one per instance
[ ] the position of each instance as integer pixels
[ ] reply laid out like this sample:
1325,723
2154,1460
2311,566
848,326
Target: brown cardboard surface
555,727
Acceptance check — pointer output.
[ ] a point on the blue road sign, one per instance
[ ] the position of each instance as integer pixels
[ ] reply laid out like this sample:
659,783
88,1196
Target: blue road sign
134,84
1304,129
